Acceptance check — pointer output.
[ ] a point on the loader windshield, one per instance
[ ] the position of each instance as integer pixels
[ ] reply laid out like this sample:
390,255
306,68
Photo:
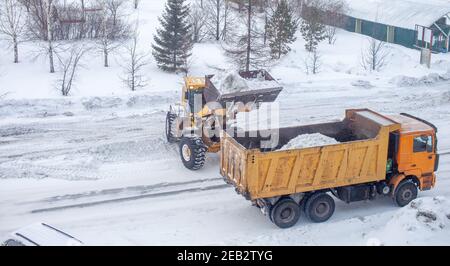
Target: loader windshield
196,100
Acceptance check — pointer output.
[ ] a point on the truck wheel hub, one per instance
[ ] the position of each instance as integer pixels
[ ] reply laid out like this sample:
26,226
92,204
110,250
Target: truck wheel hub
186,152
286,214
406,194
322,209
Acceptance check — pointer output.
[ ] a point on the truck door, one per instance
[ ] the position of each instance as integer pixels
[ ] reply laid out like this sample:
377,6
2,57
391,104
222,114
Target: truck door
423,155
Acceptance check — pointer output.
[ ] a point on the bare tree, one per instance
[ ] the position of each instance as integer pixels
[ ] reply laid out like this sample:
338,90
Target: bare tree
135,62
113,33
333,18
48,9
219,17
198,21
114,8
313,62
12,24
374,55
246,48
69,63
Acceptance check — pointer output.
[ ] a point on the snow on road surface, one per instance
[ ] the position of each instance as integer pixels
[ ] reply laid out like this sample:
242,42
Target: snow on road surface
97,164
308,140
53,167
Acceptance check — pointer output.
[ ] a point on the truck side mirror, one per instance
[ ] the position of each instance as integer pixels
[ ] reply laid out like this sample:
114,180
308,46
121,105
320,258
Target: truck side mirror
430,144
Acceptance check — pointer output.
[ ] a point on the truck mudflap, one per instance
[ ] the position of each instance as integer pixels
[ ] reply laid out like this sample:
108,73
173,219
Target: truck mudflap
427,181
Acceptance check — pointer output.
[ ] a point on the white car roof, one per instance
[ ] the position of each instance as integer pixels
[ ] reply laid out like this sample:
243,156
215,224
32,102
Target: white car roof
42,234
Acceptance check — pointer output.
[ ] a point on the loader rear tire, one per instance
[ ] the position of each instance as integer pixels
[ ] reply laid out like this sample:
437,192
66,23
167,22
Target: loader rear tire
405,193
319,207
193,153
170,129
285,213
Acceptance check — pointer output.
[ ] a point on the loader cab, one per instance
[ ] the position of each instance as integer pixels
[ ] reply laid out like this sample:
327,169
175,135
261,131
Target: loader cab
416,148
193,94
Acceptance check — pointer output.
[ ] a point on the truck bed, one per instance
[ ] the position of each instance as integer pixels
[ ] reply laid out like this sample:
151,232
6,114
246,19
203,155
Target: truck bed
262,172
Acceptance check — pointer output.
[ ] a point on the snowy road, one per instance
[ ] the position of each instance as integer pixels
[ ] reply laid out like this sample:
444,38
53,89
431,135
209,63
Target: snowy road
106,174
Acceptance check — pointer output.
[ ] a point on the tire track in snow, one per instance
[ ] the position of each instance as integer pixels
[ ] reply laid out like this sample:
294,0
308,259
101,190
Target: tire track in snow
140,192
131,198
115,191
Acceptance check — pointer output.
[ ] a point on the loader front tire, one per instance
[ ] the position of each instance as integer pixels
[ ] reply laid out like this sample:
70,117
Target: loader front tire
319,207
170,127
193,153
285,213
405,193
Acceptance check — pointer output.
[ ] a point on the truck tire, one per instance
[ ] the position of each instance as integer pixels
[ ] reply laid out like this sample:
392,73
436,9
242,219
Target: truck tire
405,193
285,213
170,130
319,207
193,153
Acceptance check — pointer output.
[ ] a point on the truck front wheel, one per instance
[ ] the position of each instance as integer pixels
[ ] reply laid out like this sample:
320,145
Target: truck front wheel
405,193
285,213
193,153
319,207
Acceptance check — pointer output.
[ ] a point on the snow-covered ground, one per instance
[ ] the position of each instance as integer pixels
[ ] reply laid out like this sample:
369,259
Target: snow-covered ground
96,164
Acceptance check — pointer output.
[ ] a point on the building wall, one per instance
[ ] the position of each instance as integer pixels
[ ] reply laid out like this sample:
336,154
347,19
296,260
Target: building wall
396,35
405,37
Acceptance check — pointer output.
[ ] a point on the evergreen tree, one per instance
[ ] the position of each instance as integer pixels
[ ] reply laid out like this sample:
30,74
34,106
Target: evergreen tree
312,29
173,41
281,30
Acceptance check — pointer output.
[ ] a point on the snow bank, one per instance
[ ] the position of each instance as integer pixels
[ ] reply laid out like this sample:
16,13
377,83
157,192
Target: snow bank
232,82
423,219
308,140
405,81
362,84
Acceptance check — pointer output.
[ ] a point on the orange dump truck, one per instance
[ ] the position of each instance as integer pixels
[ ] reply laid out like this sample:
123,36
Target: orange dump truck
375,155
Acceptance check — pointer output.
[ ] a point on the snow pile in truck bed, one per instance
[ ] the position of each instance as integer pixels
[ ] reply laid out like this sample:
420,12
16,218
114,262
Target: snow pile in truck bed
308,140
424,218
232,82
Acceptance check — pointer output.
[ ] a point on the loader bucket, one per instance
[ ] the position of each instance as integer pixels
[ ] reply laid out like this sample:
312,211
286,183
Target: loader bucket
265,93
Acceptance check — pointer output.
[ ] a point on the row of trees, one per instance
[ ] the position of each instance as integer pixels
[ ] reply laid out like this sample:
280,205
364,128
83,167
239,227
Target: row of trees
255,33
46,22
258,33
56,28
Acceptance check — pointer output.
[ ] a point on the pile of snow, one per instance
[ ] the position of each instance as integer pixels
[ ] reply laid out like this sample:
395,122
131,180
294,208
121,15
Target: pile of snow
232,82
405,81
362,84
308,140
423,219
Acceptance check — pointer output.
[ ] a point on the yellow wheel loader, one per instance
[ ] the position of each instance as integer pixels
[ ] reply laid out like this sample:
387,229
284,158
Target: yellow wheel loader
208,104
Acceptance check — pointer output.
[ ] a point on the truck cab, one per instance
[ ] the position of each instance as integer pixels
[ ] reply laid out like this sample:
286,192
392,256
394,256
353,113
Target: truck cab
415,154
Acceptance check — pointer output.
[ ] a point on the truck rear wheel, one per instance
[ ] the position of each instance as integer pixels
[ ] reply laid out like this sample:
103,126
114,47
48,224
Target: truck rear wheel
285,213
170,127
193,153
405,193
319,207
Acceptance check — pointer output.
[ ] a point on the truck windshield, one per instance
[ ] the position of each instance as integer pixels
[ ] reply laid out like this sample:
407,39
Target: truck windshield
423,143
